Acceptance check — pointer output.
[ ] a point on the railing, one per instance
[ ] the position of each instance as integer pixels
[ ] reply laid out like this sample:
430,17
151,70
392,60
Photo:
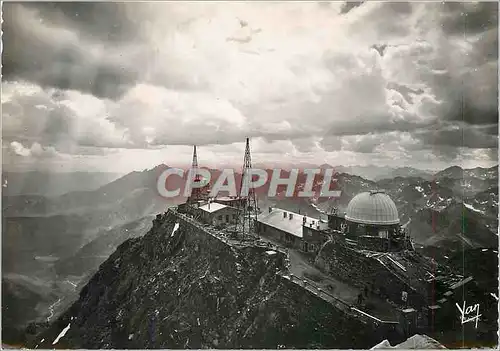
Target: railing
369,316
226,240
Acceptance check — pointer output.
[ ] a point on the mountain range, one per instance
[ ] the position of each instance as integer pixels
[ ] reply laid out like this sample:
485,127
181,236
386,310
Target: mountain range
61,240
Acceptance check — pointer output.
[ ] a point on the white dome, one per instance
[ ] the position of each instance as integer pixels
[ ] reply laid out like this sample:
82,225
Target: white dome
373,207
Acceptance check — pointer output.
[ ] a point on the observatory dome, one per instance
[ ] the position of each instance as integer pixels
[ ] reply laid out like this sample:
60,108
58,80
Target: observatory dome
374,207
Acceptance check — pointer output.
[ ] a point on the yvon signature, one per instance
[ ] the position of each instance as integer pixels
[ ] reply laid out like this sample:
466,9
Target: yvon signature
467,313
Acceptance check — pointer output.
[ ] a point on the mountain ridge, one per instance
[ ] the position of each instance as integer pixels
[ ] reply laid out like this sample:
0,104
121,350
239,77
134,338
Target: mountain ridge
188,290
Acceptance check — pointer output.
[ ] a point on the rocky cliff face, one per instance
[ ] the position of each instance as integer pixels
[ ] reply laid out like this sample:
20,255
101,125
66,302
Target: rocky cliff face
177,287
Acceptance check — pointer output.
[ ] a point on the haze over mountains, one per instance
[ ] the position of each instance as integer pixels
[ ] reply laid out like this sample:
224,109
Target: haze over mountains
53,183
53,244
370,172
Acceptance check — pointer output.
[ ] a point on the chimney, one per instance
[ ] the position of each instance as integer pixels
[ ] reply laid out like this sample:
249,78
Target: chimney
270,209
290,215
304,220
284,214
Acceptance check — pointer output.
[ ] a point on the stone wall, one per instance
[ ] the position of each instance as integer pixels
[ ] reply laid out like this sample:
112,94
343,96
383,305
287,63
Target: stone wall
198,234
361,271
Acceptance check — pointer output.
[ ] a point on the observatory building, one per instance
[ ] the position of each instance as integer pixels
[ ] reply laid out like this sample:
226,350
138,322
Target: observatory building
371,221
372,213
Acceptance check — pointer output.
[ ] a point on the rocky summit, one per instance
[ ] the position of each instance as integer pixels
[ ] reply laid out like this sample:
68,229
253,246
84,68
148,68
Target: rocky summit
179,287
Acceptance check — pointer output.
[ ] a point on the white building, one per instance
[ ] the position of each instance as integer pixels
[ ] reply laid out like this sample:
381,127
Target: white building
217,214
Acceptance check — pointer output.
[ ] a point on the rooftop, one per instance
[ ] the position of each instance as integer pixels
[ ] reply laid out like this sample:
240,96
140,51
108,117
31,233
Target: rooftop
293,225
227,198
212,207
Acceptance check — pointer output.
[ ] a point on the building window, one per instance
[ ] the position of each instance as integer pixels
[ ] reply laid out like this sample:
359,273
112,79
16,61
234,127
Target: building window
220,218
383,234
227,218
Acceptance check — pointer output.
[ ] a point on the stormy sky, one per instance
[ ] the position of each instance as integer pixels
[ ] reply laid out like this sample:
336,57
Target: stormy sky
121,87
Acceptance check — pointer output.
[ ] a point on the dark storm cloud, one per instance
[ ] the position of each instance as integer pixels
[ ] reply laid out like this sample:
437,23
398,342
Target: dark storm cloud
458,136
349,5
90,47
54,124
372,124
107,21
464,110
475,18
40,51
396,7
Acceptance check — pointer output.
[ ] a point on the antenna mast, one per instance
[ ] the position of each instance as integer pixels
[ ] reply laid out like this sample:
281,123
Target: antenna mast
195,191
248,210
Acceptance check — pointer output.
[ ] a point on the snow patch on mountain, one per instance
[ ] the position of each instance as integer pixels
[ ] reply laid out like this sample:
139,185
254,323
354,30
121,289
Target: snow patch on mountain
176,226
470,207
61,334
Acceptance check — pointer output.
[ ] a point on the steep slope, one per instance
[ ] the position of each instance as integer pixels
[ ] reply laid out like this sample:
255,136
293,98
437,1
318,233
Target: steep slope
178,287
48,284
455,227
30,242
413,194
485,202
26,238
90,256
20,301
467,186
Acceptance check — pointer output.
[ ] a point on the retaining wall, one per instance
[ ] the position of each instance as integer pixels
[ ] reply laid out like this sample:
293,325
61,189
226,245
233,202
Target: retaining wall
361,271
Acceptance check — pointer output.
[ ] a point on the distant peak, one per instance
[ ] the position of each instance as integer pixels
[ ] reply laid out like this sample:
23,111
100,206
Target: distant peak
160,166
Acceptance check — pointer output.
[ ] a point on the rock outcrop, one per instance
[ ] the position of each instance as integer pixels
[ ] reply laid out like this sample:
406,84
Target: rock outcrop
415,342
